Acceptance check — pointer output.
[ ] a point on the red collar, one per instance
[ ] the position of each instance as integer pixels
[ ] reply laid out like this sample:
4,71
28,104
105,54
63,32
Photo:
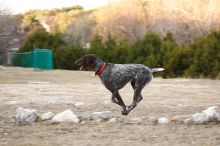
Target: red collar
101,69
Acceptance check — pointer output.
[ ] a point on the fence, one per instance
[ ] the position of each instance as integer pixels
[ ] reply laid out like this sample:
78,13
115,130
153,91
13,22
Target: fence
39,58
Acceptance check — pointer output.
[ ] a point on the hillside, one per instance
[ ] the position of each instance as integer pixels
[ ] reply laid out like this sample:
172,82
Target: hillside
132,19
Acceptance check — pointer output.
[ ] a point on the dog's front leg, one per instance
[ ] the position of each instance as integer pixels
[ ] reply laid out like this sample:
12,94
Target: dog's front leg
116,98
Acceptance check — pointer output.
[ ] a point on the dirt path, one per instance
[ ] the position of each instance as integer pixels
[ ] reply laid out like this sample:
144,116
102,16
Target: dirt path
59,90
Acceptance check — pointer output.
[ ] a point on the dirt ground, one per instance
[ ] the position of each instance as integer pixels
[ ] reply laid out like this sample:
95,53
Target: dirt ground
59,90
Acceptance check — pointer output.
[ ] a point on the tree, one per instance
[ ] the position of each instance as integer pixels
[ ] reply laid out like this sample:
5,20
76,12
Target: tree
80,30
147,51
64,56
206,56
123,20
10,25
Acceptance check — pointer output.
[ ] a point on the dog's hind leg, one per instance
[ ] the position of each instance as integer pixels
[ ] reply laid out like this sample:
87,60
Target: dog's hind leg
137,94
133,86
138,84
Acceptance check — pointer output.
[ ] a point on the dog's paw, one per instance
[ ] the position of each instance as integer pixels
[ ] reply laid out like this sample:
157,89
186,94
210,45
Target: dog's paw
128,107
124,113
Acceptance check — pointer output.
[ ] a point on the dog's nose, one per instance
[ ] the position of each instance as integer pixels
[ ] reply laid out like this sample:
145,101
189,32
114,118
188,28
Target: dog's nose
79,61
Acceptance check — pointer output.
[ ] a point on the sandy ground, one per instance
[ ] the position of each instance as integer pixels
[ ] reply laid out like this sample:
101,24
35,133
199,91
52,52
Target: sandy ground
59,90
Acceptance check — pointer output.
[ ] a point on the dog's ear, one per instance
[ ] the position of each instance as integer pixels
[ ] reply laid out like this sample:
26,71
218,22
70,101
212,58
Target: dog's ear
90,59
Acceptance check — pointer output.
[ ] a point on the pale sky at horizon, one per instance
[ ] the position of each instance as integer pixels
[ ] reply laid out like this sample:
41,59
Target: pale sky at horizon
20,6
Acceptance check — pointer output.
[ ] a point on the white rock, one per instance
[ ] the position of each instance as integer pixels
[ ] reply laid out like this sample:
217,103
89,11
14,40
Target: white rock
163,120
66,116
47,116
212,113
199,118
112,121
101,116
12,102
78,104
135,121
38,82
25,116
208,115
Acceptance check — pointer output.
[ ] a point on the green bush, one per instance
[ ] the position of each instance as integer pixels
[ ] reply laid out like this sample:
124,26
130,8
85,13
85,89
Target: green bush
42,40
65,56
206,56
147,51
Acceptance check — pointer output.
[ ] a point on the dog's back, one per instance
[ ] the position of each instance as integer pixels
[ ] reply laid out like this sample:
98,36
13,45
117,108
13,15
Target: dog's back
116,76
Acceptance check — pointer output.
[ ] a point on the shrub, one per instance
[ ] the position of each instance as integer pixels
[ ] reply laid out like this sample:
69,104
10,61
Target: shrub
42,40
147,51
65,56
206,56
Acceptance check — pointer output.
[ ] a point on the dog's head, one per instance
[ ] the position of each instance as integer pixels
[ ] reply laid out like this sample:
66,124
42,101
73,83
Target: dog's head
88,60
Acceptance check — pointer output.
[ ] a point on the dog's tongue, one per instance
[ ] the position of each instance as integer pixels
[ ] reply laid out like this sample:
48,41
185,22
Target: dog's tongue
81,68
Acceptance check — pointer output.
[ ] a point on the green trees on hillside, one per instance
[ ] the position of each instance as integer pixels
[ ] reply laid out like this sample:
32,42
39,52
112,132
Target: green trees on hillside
201,58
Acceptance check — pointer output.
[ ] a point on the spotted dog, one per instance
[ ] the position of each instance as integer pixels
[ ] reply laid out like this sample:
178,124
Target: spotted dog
116,76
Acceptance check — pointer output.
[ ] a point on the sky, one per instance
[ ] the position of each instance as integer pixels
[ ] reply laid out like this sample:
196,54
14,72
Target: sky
20,6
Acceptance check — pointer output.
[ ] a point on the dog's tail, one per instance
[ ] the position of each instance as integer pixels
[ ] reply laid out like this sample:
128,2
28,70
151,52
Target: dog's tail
157,69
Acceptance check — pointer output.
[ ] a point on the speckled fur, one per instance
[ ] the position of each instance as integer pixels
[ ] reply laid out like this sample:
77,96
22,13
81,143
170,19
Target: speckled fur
116,76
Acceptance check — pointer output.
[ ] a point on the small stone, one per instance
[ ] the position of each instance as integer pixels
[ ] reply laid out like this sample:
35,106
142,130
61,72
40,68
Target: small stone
112,121
188,121
135,121
208,115
163,120
101,116
83,122
47,116
212,113
199,118
25,116
5,133
78,104
12,102
66,116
